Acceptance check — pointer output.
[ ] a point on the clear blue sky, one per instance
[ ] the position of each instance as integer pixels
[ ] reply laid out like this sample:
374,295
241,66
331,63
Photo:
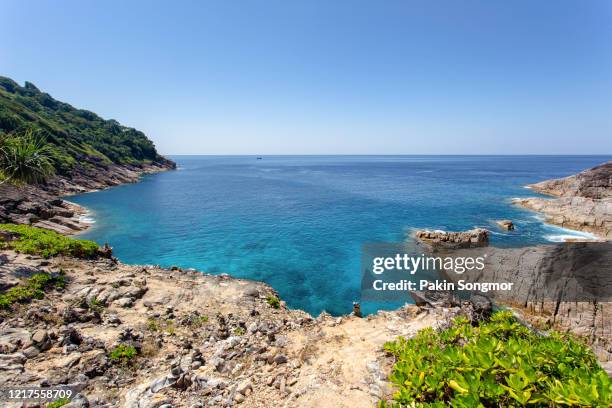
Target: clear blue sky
325,77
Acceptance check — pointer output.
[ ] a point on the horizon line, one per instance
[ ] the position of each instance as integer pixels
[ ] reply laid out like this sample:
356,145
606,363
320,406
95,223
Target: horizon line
390,154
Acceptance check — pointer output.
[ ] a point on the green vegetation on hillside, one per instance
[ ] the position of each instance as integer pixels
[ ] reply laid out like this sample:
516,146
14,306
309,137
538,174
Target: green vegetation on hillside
499,363
74,135
37,241
32,288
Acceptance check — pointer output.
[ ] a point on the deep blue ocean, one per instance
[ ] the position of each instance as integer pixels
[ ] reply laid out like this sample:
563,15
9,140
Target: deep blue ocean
298,222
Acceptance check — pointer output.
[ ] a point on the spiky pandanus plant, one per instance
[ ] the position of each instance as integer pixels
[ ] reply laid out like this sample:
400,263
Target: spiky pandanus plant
25,159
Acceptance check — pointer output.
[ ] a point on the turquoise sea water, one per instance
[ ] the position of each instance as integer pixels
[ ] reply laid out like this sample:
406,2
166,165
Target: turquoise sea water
298,222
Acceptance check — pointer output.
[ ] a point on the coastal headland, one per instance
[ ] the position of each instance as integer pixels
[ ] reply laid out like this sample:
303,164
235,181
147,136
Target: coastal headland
87,153
582,202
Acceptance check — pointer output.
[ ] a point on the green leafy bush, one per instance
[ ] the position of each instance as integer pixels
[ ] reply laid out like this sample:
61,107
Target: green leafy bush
499,363
273,301
58,403
123,354
37,241
32,288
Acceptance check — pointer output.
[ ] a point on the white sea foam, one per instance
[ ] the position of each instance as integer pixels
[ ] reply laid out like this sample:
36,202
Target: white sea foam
565,238
87,218
564,234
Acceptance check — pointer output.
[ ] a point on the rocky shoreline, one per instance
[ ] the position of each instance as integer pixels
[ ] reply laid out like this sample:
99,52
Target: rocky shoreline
565,286
41,206
582,202
213,340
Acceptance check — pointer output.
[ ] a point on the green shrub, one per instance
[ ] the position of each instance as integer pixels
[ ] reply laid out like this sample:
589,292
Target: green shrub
196,321
37,241
499,363
95,305
273,301
123,354
32,288
25,159
153,325
58,403
161,325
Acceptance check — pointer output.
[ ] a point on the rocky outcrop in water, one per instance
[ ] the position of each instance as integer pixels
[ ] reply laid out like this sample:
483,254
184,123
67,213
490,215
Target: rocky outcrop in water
584,201
477,237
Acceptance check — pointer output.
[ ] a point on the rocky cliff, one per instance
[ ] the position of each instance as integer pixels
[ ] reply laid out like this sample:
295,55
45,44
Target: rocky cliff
595,183
565,286
583,202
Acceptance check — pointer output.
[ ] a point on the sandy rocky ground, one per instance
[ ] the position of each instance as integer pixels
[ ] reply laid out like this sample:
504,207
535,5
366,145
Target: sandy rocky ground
244,352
